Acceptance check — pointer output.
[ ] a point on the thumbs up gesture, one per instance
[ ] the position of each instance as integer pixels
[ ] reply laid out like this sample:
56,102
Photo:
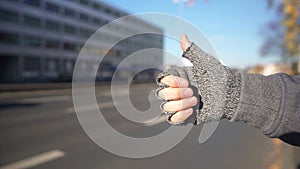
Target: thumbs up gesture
208,90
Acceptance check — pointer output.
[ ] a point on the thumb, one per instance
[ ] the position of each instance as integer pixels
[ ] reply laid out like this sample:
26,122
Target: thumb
184,42
196,56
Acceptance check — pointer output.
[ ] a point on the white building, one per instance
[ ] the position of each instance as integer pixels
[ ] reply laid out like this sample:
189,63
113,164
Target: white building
40,39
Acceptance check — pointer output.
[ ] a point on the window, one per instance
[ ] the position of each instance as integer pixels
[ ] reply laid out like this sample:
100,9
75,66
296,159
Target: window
52,26
52,44
69,46
52,7
32,21
8,16
84,2
36,3
84,17
69,29
10,38
117,14
32,64
32,41
96,6
97,21
107,11
69,65
51,65
85,33
69,12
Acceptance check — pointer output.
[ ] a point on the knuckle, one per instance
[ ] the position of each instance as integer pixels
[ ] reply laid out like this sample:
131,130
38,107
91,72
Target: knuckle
177,93
168,106
181,104
172,81
168,94
172,93
178,105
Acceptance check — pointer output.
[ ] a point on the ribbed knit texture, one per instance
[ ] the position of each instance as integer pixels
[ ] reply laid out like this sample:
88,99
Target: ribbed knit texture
218,88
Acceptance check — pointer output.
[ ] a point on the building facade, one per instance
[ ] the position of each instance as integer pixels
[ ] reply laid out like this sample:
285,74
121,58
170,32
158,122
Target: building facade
41,39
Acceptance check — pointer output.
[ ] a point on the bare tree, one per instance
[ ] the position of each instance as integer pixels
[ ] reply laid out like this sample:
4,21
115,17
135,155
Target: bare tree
282,33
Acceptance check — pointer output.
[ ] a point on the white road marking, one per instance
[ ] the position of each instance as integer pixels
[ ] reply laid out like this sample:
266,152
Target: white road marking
161,119
90,107
35,160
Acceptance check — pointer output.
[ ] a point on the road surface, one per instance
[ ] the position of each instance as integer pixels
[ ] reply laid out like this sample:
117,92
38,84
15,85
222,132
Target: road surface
39,129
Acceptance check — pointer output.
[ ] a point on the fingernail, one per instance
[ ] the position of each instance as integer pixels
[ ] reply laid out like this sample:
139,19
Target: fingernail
188,92
183,83
192,100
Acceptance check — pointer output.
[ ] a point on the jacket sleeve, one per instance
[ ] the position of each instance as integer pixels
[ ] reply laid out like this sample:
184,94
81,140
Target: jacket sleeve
271,104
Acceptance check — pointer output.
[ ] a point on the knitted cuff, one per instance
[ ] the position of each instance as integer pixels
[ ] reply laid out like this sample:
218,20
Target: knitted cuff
233,93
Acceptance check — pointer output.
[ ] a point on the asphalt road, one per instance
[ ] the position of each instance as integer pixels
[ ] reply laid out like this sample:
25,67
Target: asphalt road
40,129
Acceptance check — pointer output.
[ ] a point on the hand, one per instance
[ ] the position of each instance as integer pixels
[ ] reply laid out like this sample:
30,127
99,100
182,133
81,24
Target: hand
179,95
218,87
180,98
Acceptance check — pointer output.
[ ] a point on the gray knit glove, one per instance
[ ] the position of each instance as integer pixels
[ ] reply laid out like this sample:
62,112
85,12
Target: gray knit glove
218,87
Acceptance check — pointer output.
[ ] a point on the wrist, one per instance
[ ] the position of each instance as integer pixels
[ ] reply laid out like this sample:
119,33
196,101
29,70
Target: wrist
233,94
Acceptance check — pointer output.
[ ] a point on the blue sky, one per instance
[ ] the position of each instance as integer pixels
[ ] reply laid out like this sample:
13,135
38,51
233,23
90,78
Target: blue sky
232,26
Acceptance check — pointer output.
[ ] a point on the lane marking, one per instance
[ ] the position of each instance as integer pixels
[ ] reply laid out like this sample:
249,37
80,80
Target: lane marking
161,119
35,160
90,107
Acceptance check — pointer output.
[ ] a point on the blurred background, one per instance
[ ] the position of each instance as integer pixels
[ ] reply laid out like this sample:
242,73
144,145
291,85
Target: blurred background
41,39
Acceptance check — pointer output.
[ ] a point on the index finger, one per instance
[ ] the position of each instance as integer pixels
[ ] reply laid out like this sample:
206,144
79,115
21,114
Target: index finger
175,81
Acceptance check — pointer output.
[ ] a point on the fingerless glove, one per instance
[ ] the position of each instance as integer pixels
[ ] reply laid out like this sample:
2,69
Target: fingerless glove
218,87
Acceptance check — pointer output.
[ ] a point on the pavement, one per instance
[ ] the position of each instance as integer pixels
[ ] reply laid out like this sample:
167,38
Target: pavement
39,129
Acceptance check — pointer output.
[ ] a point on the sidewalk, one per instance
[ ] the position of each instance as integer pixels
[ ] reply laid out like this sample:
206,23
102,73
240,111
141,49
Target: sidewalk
12,91
40,86
34,86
